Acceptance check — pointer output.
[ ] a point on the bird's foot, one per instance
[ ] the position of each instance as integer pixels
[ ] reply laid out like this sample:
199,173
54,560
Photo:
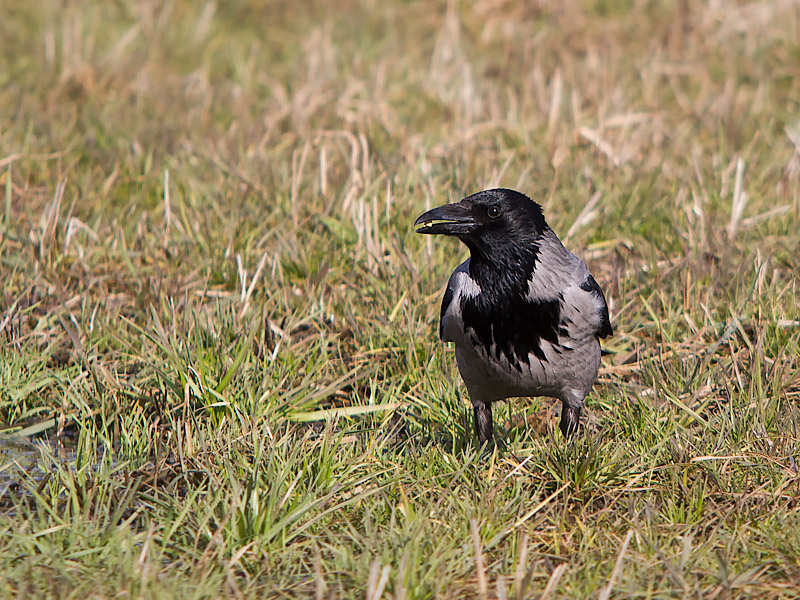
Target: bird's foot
570,420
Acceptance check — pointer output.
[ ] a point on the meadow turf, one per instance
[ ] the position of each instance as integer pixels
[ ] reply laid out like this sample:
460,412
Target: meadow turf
208,268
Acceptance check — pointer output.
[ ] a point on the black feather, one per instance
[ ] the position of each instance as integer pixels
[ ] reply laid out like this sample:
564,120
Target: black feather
590,285
516,328
448,298
502,315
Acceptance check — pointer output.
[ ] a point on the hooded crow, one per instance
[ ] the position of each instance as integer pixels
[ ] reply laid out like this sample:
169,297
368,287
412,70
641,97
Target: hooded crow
524,313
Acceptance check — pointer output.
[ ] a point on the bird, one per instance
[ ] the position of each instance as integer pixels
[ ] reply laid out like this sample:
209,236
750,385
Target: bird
524,313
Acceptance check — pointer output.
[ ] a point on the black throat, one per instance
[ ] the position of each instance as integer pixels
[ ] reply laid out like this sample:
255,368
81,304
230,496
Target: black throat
503,270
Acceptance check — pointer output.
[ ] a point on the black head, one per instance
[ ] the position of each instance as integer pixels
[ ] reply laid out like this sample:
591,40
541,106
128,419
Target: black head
491,223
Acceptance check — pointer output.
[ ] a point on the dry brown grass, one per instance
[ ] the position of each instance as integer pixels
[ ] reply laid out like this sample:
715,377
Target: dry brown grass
206,250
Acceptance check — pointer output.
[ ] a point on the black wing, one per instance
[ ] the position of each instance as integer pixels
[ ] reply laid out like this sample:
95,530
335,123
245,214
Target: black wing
590,285
448,298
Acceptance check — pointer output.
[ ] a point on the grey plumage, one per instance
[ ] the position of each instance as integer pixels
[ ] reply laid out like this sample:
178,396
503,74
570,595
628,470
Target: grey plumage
524,313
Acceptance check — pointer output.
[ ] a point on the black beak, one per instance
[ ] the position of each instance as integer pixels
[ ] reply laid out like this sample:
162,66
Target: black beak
450,219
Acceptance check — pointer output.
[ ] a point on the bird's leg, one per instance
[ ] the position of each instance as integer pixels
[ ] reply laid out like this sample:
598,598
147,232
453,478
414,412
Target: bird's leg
570,418
483,421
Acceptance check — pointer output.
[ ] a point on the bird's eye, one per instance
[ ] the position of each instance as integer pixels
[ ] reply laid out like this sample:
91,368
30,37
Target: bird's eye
493,212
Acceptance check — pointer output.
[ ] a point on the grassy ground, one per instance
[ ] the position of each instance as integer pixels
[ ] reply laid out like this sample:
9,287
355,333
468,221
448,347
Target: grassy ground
205,212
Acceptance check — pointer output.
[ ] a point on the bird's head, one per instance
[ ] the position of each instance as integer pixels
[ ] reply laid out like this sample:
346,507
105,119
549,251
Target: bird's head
489,222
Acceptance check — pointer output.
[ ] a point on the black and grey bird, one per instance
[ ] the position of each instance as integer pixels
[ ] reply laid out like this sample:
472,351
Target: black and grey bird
525,314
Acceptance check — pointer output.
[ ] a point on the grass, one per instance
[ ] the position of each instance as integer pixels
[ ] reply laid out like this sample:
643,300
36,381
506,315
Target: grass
208,266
